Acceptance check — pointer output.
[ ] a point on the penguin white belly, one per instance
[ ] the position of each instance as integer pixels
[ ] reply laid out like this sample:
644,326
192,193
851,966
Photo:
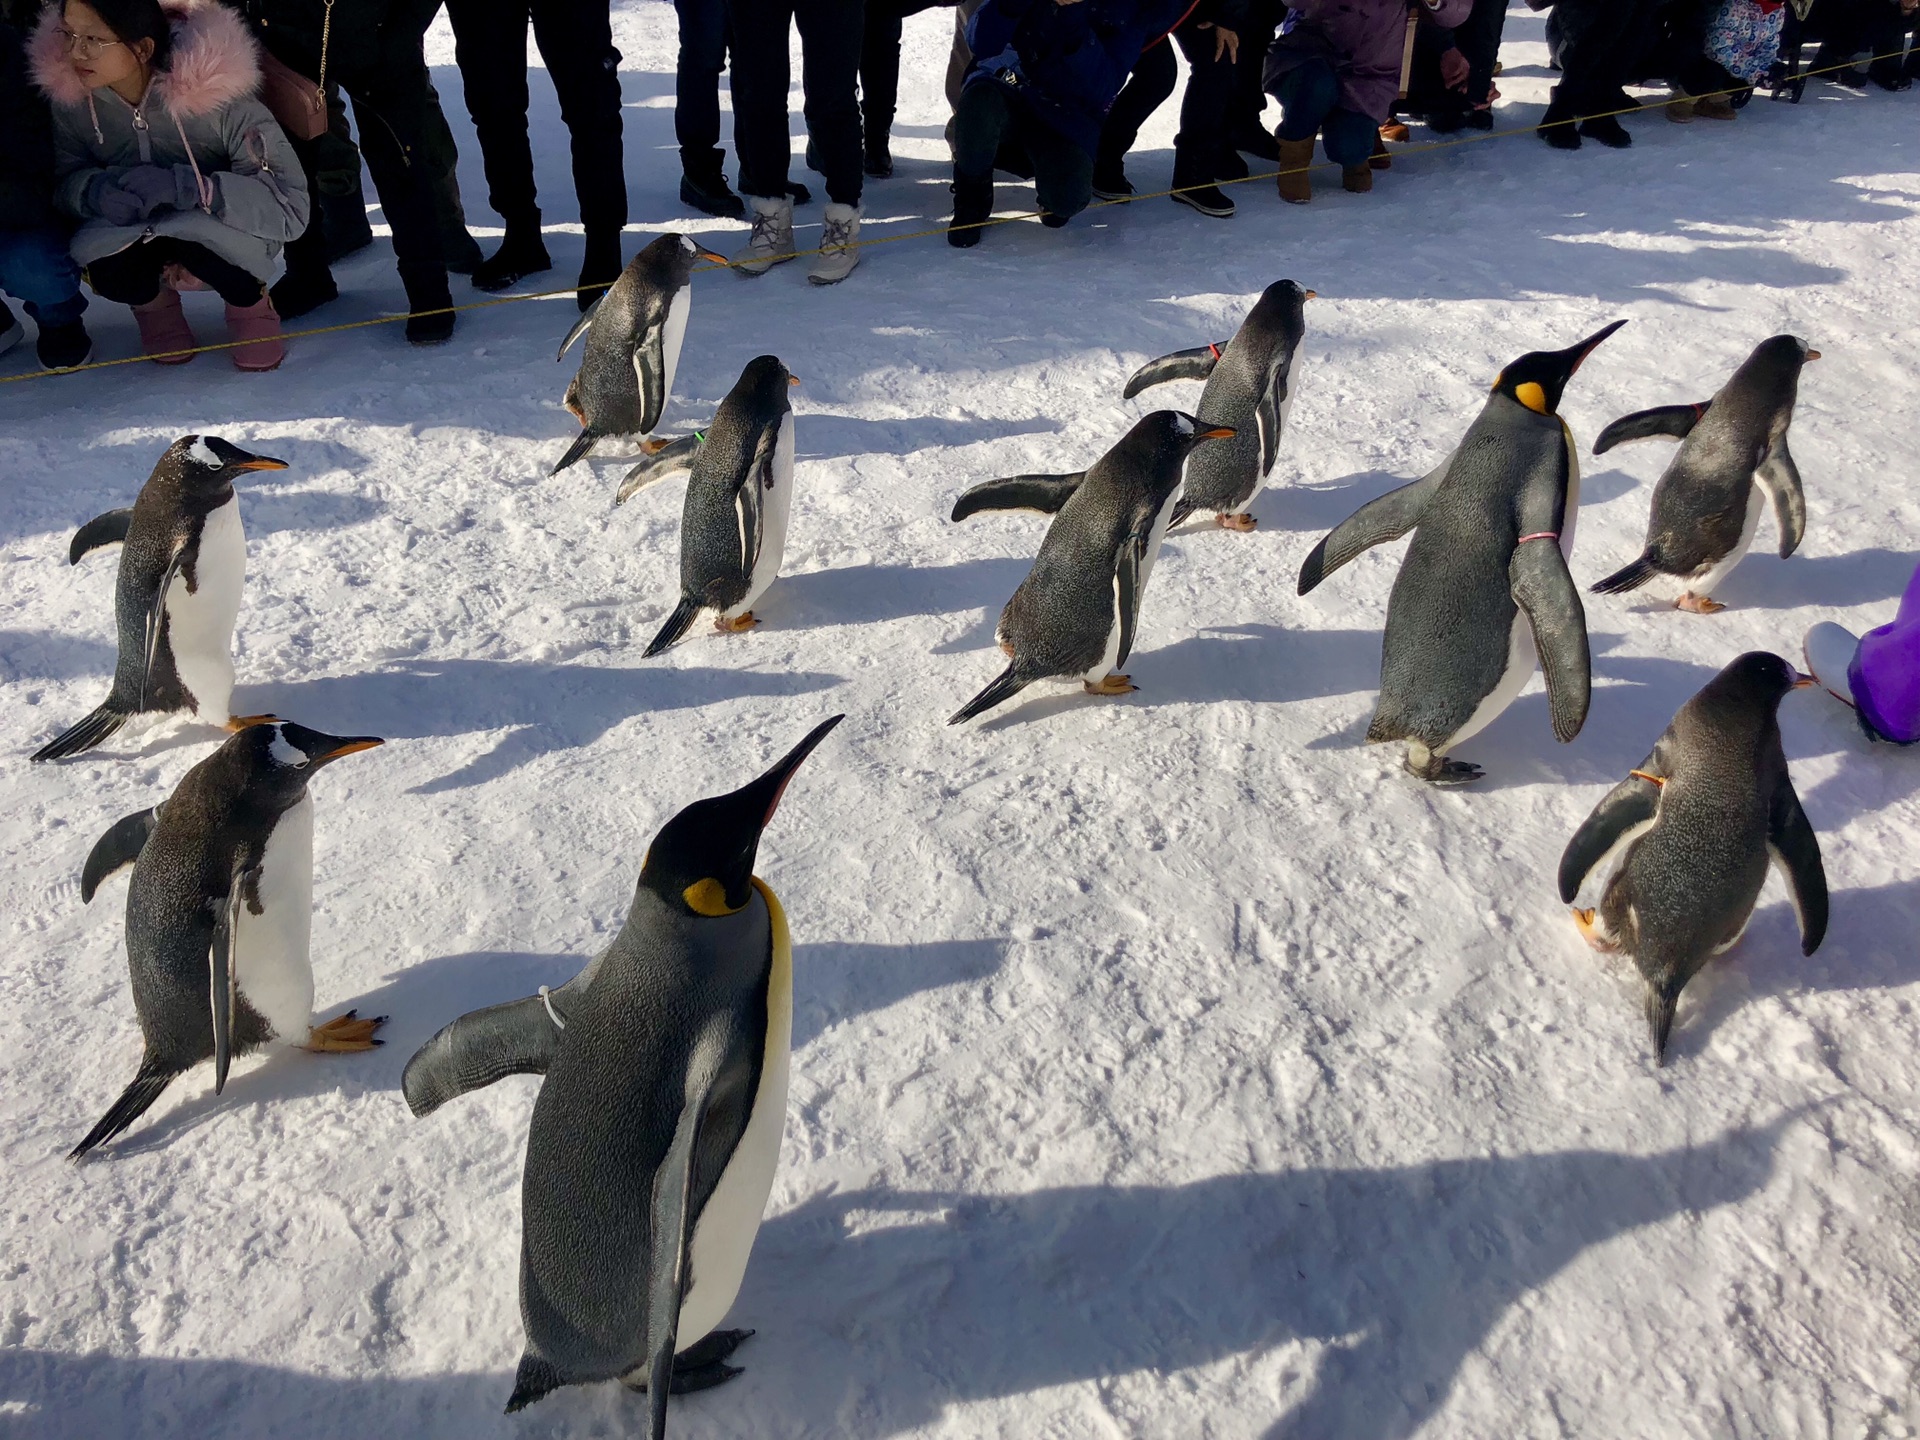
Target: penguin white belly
673,335
775,506
1286,412
272,966
1756,503
200,625
1110,656
723,1235
1521,658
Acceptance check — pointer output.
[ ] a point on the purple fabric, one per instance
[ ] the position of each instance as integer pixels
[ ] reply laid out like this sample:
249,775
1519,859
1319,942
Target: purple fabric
1366,38
1885,673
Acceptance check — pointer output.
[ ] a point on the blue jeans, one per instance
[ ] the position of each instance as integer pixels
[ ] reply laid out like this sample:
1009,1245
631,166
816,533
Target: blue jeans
35,265
1309,95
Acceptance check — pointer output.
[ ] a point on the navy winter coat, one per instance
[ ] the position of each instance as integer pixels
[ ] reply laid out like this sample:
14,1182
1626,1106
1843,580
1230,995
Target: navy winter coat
26,154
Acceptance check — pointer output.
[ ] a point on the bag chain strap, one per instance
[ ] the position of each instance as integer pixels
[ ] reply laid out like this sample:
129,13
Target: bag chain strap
326,36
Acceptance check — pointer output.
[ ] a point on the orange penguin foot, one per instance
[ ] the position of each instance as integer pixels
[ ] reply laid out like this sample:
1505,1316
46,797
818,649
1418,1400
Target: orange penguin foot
1590,932
1111,685
241,722
345,1033
734,626
1698,604
1242,523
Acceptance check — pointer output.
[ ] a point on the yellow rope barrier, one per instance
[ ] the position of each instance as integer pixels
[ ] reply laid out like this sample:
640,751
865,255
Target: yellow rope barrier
1406,151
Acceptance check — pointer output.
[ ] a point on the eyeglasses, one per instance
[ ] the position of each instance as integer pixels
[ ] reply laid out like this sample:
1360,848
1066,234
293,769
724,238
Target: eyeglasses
85,46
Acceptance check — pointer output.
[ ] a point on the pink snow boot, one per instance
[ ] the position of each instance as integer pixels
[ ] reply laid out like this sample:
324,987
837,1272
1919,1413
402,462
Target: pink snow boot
164,329
259,326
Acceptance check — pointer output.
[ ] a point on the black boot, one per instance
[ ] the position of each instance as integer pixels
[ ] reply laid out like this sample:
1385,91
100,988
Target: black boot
1608,130
1255,141
707,190
1556,126
879,157
430,314
1110,178
972,205
600,267
302,290
521,253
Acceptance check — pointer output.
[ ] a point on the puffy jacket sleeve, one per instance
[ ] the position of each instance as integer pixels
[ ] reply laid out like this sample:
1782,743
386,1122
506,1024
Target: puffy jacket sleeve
263,193
1449,13
75,166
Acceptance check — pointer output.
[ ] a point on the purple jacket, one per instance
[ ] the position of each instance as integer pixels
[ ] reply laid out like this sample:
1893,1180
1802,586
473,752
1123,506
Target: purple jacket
1363,39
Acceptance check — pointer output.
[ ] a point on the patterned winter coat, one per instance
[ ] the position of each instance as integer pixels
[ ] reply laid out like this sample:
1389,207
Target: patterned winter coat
199,112
1744,36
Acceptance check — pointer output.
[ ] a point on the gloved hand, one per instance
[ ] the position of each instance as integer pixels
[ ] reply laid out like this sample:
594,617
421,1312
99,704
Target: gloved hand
1454,69
112,204
162,187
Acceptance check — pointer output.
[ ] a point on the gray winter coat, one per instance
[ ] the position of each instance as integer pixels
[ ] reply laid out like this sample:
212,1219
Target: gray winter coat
200,113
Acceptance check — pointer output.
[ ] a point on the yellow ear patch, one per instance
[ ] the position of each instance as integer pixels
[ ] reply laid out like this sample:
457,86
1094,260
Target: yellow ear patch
1532,396
708,897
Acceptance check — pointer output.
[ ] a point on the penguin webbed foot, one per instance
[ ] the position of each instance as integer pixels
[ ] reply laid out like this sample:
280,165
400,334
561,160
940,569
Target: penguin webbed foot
1438,770
737,624
1592,934
1244,524
1698,604
1111,685
345,1034
702,1365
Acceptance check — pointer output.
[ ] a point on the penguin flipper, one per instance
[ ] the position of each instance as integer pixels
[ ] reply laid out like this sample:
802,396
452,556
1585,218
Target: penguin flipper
650,369
1042,493
157,617
107,529
1126,591
662,459
1543,587
482,1046
1630,805
92,731
1007,684
676,626
1676,422
1195,364
582,443
134,1102
1374,523
223,979
1266,415
1780,478
1795,849
116,850
580,327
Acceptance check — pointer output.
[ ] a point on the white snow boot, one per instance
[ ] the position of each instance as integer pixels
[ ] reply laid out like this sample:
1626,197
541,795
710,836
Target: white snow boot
772,238
839,246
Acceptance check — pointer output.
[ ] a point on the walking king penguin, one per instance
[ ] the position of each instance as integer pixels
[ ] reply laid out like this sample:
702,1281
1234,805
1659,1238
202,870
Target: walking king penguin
218,913
733,526
1250,388
1078,610
655,1136
1733,458
182,567
1484,585
634,333
1698,821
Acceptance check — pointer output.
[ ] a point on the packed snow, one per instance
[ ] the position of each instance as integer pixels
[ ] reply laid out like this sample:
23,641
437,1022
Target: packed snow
1165,1066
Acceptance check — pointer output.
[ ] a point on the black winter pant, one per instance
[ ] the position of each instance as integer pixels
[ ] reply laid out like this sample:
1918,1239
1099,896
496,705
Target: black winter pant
1249,89
880,60
696,85
1477,38
132,276
1199,146
830,40
576,42
992,128
1600,44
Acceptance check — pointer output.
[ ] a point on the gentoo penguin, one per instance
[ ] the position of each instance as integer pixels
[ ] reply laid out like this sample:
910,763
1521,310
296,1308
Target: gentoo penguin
733,527
1733,458
1077,611
1484,585
1249,387
634,333
655,1137
182,568
1699,820
219,910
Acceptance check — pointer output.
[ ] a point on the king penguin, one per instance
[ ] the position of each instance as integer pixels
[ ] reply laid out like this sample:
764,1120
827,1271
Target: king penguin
1733,458
219,911
634,333
1484,586
182,568
1698,821
656,1133
733,525
1249,388
1078,610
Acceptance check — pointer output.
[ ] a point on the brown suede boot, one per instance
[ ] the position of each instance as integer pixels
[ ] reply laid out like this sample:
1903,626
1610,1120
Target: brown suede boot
1296,157
1356,179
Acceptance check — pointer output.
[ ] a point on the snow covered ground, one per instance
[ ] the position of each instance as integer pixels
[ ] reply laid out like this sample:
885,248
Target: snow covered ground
1169,1066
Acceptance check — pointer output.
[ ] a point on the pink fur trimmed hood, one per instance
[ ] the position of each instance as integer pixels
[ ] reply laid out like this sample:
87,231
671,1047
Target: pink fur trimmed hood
215,61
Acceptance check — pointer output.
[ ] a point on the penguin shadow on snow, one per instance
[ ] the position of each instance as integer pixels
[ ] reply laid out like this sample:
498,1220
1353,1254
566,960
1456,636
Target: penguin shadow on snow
1396,1275
866,594
834,437
1763,581
29,655
542,707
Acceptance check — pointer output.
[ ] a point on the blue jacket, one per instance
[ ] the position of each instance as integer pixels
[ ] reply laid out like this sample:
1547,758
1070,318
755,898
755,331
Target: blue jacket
1067,62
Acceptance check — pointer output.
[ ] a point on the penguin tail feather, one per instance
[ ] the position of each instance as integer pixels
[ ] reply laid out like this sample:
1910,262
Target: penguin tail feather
1005,686
582,443
1661,1003
92,731
676,626
1628,577
134,1102
1182,508
535,1380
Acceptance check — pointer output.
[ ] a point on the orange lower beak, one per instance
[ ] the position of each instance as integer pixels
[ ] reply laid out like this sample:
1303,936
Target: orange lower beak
1801,682
1313,294
261,462
352,747
1813,354
793,379
710,255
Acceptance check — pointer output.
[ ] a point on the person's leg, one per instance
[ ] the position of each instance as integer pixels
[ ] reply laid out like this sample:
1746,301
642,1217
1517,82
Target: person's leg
1244,120
1202,142
879,83
390,121
1062,171
980,123
35,266
576,41
232,283
339,199
696,85
1348,138
830,32
441,156
959,59
1147,88
1478,39
761,75
1307,94
490,47
128,277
